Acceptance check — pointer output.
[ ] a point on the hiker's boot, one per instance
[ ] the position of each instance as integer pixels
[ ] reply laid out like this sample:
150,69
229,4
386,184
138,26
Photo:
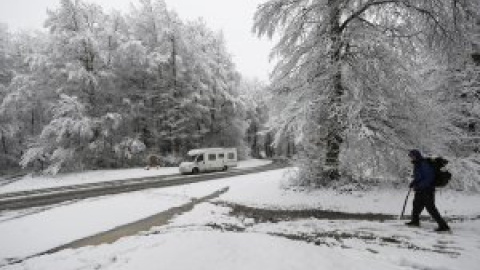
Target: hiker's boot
413,224
442,229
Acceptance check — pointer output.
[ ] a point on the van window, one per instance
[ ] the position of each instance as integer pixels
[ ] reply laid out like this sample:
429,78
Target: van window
221,156
212,157
231,155
200,158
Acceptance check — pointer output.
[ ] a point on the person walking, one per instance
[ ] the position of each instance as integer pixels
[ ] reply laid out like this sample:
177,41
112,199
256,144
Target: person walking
424,186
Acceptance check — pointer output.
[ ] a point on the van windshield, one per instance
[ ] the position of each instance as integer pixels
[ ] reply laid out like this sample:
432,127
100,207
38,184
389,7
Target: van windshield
191,158
194,158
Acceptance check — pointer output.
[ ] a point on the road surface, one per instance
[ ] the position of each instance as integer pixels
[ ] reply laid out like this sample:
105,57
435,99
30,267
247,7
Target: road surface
48,196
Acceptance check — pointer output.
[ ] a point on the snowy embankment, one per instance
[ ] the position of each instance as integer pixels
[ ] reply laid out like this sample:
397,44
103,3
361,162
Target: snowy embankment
31,182
214,236
279,195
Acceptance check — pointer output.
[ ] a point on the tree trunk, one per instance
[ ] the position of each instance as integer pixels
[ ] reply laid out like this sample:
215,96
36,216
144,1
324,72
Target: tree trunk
4,144
174,93
33,122
290,146
268,145
174,66
334,129
255,143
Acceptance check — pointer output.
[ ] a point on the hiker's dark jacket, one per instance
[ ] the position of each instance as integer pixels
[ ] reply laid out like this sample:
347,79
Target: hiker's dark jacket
423,176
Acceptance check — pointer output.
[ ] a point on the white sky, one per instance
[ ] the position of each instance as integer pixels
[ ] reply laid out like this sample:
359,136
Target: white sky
234,17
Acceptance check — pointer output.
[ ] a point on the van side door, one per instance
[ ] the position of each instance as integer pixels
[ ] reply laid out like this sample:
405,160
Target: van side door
211,163
221,160
231,159
201,163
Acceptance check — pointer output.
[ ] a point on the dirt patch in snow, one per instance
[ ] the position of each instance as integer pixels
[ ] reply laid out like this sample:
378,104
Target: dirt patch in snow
276,215
269,215
329,238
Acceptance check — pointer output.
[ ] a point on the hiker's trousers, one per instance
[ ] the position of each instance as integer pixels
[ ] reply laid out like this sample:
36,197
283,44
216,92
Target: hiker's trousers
426,199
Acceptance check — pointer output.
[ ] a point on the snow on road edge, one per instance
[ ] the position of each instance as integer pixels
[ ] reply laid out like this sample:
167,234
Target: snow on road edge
30,182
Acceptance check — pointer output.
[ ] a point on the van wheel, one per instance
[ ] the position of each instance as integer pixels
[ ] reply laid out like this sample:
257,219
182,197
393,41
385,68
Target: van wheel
195,171
225,168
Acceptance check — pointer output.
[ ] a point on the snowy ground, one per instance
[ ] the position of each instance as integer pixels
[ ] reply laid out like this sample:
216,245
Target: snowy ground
31,182
215,235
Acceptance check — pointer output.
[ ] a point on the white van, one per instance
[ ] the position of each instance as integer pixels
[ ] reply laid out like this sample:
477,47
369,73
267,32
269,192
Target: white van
209,159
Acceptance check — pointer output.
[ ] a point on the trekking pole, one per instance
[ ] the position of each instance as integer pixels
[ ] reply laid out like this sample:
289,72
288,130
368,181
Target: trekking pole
405,204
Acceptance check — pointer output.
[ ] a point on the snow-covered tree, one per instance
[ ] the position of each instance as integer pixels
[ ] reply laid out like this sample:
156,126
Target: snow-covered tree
345,70
105,90
5,72
59,141
456,91
5,78
256,98
452,80
74,71
22,111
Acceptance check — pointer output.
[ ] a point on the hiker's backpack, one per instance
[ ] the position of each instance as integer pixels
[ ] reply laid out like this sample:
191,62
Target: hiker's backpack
442,176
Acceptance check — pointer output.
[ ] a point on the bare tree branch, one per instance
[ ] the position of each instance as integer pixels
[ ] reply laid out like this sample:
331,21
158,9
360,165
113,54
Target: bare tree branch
362,10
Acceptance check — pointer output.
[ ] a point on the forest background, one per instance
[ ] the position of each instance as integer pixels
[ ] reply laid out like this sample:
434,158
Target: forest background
357,84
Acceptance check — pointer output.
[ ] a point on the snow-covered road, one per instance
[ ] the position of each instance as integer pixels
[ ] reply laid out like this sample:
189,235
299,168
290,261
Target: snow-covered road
32,182
49,196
